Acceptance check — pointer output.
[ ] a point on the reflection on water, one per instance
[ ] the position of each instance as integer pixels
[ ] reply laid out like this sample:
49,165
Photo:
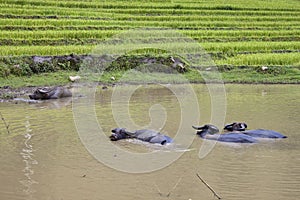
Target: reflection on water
43,158
27,154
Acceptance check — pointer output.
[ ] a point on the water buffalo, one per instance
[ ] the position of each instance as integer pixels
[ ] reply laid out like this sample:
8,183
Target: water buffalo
263,133
50,93
210,132
146,135
258,133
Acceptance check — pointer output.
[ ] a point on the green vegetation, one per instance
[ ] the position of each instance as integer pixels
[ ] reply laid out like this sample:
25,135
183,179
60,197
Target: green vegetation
242,37
45,79
28,66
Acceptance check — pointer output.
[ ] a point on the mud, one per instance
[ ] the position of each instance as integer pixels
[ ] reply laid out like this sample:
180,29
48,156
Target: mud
8,94
21,95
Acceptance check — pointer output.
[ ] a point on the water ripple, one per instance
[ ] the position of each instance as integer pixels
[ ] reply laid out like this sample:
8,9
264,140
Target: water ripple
27,154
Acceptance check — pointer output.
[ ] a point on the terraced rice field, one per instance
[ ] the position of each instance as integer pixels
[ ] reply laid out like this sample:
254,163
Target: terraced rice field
235,32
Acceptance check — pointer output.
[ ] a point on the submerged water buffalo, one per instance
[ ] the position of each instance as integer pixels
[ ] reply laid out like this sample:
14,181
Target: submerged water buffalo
263,133
257,133
211,132
145,135
50,93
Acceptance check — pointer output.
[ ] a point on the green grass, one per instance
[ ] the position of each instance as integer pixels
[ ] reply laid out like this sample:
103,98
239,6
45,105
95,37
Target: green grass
236,33
263,59
251,47
234,76
45,79
291,75
45,50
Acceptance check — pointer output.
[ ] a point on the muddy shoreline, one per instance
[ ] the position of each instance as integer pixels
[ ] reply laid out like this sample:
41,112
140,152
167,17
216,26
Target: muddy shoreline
25,67
9,94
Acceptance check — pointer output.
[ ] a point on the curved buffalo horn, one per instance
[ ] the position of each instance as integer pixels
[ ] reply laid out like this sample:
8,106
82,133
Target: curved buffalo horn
43,90
198,127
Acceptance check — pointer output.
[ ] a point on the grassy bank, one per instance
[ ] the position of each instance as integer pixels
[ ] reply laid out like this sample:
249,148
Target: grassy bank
236,75
241,37
15,86
44,79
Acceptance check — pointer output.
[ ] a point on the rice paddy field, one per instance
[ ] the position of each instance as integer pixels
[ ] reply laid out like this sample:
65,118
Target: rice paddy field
236,33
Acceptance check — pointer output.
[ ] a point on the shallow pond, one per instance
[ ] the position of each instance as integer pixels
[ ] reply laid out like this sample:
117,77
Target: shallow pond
48,155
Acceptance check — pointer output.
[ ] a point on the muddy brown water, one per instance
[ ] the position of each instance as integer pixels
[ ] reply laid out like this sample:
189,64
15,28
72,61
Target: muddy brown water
44,158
